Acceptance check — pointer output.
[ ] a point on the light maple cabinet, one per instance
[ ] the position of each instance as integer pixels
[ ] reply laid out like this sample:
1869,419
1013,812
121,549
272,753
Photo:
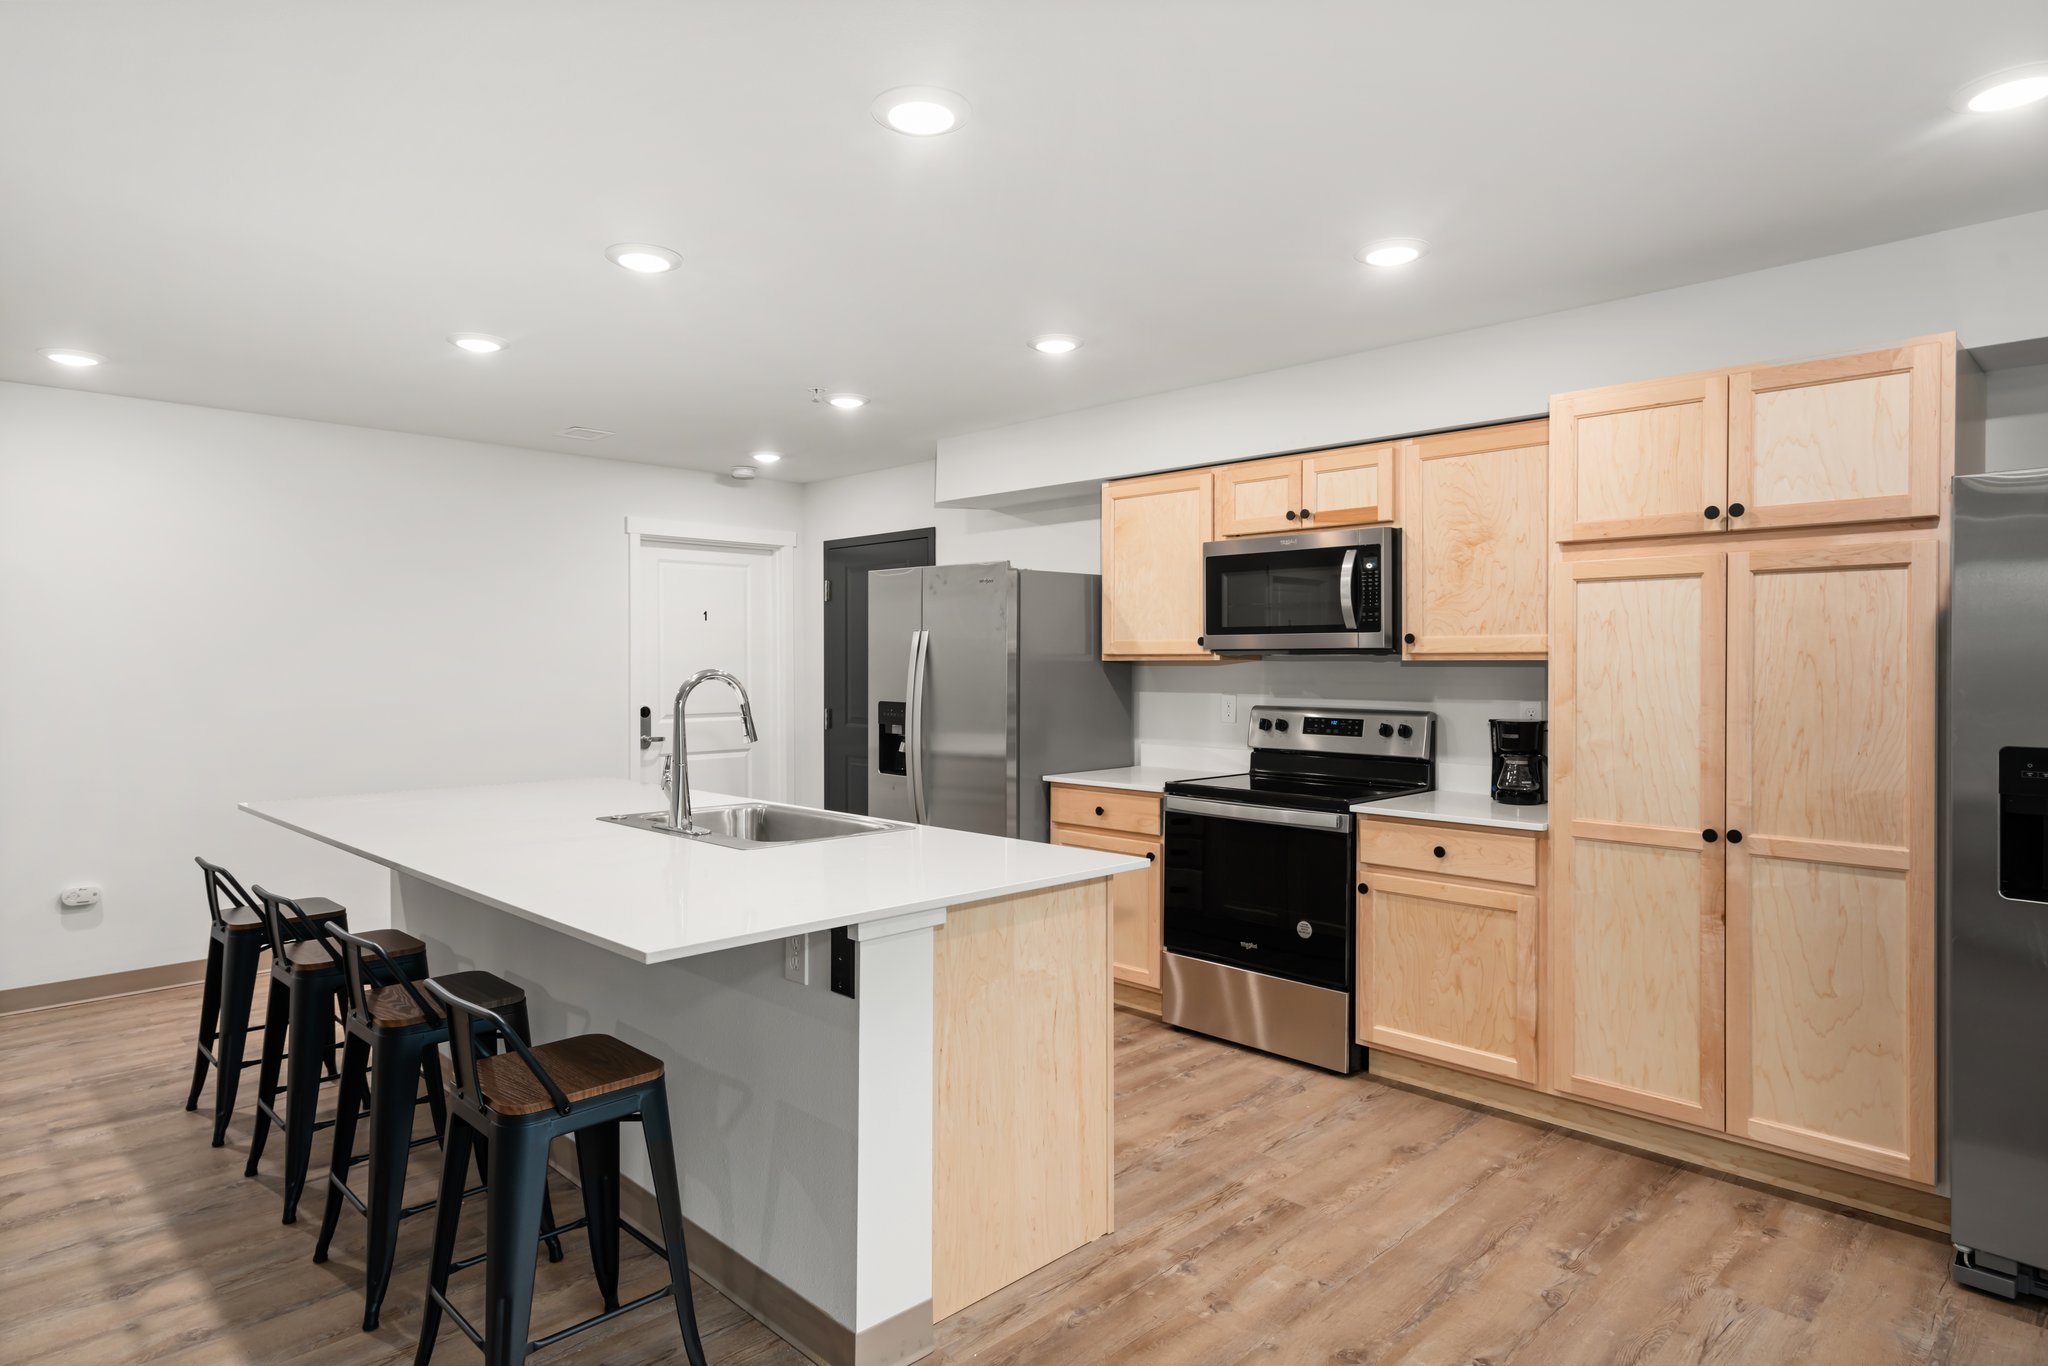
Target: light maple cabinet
1447,967
1863,438
1153,530
1830,851
1476,544
1635,921
1348,486
1136,936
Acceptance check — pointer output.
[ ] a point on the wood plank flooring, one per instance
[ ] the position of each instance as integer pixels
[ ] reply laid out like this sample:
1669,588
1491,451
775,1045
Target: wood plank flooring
1266,1212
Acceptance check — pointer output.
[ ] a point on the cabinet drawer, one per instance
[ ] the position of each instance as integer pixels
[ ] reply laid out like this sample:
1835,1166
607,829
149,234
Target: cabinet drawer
1099,808
1496,856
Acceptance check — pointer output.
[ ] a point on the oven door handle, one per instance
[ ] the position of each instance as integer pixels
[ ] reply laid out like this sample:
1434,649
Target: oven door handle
1260,815
1345,598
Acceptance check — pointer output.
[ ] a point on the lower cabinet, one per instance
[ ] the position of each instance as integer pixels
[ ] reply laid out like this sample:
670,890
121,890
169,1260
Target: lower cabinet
1447,967
1135,935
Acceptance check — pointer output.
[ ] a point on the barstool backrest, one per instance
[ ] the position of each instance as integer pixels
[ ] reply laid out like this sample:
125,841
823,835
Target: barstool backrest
286,922
360,975
463,1018
221,883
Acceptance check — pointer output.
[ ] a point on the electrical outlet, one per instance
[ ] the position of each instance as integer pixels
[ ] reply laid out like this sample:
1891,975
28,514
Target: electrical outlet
796,959
1229,701
73,897
1531,711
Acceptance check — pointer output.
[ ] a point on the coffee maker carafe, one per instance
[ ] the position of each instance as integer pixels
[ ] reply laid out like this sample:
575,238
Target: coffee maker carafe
1518,761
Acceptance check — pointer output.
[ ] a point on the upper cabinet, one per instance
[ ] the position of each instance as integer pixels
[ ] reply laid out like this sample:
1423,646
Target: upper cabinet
1476,547
1350,486
1852,439
1152,536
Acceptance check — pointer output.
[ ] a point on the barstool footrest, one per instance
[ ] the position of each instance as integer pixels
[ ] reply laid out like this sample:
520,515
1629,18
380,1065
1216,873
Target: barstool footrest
540,1344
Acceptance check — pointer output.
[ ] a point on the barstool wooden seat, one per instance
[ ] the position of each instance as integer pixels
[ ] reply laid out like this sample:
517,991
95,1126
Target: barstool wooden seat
516,1104
235,943
306,982
394,1040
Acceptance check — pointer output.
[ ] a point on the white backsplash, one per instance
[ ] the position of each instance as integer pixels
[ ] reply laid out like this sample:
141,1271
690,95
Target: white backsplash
1180,720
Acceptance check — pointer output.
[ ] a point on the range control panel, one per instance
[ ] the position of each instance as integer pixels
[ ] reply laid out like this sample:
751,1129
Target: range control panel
1345,730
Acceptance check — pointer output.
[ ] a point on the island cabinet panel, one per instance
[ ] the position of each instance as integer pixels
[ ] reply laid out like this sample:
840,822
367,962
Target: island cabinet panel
1831,784
1635,924
1153,531
1353,486
1447,972
1258,496
1647,459
1136,938
1475,532
1852,439
1022,1170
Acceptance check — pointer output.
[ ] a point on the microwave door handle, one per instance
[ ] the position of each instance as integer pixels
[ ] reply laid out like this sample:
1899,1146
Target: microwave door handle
1345,597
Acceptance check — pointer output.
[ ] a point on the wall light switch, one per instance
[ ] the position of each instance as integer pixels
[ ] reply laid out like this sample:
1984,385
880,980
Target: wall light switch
796,959
1229,701
74,897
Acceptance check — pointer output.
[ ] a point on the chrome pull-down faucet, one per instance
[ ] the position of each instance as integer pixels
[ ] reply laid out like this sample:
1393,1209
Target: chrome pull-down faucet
679,817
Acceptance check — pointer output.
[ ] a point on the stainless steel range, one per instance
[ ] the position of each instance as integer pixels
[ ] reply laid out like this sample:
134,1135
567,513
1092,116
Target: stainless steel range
1260,866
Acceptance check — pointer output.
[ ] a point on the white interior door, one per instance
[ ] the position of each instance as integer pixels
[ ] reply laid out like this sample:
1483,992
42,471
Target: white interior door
707,607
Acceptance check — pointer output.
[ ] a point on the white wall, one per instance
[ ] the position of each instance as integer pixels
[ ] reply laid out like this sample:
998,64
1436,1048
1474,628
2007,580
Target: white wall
2016,418
1988,283
199,607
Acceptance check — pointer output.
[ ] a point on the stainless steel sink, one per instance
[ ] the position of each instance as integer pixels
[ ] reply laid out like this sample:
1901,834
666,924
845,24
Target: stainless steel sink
761,825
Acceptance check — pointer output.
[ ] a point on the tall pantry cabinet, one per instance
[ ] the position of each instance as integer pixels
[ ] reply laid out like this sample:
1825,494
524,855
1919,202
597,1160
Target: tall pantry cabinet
1741,931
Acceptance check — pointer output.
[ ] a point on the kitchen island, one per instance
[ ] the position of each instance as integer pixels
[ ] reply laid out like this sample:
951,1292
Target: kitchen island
853,1168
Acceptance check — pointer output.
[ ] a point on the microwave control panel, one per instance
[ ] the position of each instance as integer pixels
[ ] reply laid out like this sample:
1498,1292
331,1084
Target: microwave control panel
1368,596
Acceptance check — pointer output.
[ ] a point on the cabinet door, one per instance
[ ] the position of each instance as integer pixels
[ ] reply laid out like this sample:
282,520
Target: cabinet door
1349,487
1153,531
1853,439
1476,537
1258,496
1637,727
1831,783
1447,972
1640,459
1134,900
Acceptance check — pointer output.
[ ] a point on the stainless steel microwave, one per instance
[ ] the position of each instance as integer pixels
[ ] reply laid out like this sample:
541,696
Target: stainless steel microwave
1309,592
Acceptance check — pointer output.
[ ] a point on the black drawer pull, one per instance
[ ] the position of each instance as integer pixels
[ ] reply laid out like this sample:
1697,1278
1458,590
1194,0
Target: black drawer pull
1098,811
1439,851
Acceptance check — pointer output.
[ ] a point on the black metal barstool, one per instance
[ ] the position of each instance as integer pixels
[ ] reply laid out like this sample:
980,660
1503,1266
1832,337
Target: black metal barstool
234,954
394,1039
516,1104
305,986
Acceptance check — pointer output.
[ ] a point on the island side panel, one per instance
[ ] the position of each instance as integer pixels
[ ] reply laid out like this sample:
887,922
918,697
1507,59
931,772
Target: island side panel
1022,1133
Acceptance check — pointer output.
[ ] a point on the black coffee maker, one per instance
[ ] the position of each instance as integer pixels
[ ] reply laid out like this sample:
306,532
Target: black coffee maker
1518,761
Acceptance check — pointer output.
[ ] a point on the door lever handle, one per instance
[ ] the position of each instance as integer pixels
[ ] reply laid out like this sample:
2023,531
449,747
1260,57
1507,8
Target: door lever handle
648,739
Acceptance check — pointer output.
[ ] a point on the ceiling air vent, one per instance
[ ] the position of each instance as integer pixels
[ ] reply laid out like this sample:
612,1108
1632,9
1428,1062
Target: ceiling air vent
583,433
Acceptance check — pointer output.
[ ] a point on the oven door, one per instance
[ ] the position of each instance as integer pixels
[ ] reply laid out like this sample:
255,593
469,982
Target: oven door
1260,887
1311,592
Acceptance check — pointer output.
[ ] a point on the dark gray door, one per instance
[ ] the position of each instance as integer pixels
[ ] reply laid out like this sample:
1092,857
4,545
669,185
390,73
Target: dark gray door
847,563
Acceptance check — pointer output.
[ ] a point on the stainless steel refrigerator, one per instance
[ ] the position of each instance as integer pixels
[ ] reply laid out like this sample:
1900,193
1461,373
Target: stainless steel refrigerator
1997,835
984,679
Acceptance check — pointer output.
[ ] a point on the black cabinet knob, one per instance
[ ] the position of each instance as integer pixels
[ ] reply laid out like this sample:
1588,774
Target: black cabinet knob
1363,888
1735,837
1098,811
1713,512
1408,639
1265,723
1404,730
1304,514
1709,836
1386,729
1439,851
1292,514
1150,856
1736,509
1201,640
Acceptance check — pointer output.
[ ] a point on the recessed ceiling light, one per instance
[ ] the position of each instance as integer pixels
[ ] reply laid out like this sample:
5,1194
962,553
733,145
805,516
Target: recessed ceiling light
1392,251
765,457
2012,88
921,111
642,258
477,343
77,360
848,401
1055,343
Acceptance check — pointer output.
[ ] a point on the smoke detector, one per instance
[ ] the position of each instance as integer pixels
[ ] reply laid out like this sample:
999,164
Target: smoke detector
583,433
745,472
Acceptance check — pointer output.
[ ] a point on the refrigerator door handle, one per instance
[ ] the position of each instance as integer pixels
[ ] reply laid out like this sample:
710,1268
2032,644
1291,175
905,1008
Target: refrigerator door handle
913,740
1346,577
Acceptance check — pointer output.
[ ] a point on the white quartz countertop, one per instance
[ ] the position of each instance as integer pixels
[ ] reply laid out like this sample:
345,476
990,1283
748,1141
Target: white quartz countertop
1140,778
1460,808
538,851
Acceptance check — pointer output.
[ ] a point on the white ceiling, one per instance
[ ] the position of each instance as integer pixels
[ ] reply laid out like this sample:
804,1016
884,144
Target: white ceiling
287,206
